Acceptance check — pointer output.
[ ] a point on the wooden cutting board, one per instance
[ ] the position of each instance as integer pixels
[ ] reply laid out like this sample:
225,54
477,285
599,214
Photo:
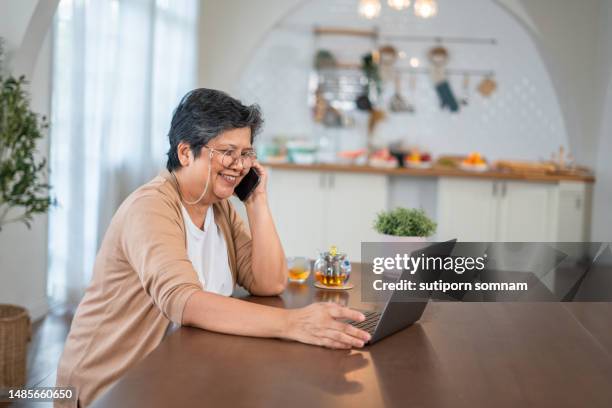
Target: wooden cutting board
523,167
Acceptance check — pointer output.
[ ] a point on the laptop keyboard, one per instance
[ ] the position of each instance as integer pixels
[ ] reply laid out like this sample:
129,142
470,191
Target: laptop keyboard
370,322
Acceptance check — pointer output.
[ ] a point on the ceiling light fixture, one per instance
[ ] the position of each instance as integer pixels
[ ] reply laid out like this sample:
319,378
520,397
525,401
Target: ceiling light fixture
398,4
369,8
425,8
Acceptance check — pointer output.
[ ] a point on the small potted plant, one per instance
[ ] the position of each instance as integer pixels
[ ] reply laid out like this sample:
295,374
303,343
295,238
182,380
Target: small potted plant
404,225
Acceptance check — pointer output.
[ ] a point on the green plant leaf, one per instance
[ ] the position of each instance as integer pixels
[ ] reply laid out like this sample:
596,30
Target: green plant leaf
405,222
22,174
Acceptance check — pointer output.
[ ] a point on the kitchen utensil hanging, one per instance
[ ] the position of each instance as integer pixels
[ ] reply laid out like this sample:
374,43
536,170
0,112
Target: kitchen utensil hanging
439,58
465,99
487,86
324,59
371,93
398,103
386,57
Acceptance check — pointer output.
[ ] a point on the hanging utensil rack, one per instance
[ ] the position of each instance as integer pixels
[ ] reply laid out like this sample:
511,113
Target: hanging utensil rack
376,34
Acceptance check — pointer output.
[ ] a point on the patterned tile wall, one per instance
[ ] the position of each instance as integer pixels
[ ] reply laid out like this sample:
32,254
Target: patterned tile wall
521,120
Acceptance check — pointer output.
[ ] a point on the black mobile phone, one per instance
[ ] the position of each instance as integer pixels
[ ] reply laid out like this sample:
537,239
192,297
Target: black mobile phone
246,186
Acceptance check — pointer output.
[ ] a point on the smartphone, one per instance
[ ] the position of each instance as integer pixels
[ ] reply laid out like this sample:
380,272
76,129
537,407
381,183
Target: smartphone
247,185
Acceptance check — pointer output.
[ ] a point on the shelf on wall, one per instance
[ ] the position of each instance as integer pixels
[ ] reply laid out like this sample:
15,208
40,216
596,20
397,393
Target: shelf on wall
377,35
409,70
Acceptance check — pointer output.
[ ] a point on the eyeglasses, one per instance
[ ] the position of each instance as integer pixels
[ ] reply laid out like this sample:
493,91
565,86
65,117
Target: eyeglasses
229,157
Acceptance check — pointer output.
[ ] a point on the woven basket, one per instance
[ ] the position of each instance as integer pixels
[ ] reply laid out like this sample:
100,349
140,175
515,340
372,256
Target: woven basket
15,333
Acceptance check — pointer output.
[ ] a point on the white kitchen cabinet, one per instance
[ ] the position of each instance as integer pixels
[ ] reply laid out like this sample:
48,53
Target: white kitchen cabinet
467,209
574,216
315,209
527,211
508,210
352,205
297,201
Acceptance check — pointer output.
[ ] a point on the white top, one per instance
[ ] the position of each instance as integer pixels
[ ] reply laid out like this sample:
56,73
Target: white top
207,252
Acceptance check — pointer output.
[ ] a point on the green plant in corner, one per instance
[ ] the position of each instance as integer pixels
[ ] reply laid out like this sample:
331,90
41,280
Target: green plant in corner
23,189
404,222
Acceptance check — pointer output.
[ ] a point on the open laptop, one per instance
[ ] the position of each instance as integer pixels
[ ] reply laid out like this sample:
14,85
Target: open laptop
399,313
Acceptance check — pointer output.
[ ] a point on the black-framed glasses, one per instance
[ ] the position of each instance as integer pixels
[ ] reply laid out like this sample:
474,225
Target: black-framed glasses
229,157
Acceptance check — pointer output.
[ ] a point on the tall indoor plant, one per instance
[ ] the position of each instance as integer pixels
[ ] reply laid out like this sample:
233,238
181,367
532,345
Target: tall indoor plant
23,189
404,225
23,193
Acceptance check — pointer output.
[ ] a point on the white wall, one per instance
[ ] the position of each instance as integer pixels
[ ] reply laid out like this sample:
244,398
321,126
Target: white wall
568,33
23,252
229,32
14,21
602,207
522,120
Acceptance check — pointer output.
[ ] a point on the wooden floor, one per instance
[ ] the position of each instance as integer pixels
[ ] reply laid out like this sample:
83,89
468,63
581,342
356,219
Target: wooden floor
45,349
48,337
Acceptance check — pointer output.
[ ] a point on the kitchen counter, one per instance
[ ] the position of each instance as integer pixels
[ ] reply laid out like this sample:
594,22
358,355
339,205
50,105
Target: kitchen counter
470,206
435,171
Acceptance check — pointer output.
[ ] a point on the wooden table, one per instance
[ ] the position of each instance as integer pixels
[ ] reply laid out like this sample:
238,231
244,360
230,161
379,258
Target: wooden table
457,355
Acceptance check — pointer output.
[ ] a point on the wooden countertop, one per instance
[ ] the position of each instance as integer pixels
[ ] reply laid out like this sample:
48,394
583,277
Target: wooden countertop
435,171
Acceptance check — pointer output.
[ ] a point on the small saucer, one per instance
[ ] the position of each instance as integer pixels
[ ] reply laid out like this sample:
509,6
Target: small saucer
346,286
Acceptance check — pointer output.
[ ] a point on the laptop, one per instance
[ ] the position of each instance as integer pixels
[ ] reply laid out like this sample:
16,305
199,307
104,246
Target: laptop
399,313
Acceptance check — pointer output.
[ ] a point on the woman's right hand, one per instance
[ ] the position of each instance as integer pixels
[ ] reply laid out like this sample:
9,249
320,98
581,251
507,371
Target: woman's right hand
318,324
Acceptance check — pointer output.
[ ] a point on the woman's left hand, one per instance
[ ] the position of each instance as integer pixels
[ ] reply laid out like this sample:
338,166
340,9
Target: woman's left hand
260,190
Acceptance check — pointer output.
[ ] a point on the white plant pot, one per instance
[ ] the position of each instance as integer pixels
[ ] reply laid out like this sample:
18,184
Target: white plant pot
395,238
419,242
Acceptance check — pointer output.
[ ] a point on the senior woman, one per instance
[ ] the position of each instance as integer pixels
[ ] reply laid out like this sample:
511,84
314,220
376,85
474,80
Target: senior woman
175,249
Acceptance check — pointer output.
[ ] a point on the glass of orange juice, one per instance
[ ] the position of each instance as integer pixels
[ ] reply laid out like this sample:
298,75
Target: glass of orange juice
299,269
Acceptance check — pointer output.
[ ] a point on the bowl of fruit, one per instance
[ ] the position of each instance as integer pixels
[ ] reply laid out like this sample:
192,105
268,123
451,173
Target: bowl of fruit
474,162
384,159
417,160
358,156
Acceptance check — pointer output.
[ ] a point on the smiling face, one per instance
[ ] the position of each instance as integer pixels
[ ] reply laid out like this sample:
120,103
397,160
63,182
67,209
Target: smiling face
223,180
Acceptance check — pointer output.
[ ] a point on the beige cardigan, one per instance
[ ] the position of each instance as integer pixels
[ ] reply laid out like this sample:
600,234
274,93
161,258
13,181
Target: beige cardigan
141,280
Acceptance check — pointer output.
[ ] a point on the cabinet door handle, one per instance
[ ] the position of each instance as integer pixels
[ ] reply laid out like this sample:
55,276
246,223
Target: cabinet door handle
495,188
504,189
578,203
322,180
